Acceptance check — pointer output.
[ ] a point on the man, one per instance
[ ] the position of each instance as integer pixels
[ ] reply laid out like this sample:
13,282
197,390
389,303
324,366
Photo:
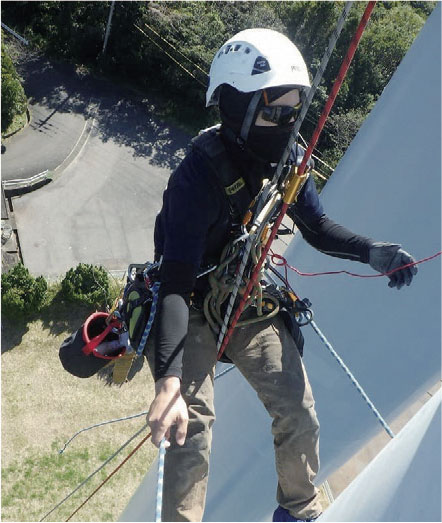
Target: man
257,79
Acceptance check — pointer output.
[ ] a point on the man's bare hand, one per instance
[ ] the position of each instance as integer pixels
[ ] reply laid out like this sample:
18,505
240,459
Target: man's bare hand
168,409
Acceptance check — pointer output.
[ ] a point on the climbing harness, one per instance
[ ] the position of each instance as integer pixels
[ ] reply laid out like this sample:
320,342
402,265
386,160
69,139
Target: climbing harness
221,284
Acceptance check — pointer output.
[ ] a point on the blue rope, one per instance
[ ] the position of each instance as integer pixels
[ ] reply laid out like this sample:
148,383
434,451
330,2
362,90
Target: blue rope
153,309
225,371
159,503
352,379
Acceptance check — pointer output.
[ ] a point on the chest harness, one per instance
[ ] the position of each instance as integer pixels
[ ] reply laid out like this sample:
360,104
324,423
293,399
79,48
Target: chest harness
265,300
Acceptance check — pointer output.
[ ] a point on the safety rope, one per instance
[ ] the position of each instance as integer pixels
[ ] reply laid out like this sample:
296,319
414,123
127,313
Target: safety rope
160,480
116,420
338,82
352,378
95,472
110,475
308,314
284,263
312,91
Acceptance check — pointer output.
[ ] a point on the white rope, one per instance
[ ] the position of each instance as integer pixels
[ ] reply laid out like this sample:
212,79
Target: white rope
160,482
100,425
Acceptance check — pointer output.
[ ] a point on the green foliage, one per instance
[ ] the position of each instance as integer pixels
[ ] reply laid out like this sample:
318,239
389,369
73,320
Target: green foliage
22,294
87,284
13,94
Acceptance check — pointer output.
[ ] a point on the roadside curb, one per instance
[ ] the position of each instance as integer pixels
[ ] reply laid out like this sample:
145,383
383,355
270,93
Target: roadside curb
46,177
77,148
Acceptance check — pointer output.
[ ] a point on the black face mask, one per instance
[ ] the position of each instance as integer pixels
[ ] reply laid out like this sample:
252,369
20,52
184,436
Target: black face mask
268,143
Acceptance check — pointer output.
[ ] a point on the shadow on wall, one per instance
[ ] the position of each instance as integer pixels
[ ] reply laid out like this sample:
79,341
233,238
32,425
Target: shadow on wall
121,117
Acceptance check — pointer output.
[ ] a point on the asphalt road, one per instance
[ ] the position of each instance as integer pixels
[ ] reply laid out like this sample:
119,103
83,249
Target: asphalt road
58,104
101,209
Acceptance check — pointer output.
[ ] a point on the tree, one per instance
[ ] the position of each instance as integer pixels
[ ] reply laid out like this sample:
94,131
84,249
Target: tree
13,94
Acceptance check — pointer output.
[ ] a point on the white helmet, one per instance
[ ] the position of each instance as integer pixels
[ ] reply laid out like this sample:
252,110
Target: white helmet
256,59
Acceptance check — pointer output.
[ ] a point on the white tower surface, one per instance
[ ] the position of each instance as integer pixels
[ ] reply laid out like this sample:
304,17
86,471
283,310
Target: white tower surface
387,187
403,482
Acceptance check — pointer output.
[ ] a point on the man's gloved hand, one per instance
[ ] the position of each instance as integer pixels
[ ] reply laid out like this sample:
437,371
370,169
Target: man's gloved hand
385,257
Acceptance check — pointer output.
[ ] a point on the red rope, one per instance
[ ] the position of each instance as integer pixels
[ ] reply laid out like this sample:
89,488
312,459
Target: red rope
324,115
110,475
285,264
336,86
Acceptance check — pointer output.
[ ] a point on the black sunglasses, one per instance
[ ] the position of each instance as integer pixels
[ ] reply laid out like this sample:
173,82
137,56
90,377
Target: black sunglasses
280,114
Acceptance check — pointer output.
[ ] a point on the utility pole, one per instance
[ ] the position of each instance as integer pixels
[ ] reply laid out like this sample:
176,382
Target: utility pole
106,36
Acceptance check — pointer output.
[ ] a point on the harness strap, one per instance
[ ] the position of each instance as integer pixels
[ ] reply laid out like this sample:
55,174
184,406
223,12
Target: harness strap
231,185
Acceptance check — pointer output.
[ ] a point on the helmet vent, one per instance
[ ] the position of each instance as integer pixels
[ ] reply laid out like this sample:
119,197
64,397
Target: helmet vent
261,65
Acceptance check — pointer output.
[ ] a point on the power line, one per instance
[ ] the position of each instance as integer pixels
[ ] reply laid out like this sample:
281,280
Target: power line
176,49
171,57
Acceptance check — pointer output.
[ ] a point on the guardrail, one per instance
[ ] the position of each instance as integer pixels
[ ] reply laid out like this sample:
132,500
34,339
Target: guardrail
23,183
22,40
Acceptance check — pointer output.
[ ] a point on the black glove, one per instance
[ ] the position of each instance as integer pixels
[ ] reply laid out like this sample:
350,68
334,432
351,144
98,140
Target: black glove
385,257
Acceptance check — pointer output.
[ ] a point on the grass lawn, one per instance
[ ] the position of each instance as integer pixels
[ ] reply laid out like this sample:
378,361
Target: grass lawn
43,405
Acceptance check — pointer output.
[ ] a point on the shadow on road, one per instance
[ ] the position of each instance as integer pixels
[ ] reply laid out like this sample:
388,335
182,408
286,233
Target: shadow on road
63,88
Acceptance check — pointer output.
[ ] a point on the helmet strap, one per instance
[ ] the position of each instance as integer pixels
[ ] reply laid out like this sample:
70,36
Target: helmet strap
248,118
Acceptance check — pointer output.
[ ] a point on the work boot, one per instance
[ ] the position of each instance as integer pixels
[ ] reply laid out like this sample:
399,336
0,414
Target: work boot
282,514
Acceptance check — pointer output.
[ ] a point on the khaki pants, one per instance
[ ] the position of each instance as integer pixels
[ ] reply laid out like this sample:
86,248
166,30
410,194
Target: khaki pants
267,356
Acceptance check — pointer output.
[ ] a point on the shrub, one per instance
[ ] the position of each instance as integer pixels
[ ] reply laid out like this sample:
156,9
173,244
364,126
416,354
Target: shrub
87,284
22,294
